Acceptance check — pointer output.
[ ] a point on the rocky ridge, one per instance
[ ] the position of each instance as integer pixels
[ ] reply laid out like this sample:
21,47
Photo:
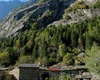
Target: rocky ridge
75,17
15,21
46,14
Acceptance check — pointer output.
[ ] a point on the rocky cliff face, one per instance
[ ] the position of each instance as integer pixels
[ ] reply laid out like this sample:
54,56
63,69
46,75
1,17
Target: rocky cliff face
90,2
77,17
48,11
45,14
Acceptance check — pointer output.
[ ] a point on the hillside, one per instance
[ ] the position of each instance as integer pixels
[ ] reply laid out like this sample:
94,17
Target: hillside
50,32
15,21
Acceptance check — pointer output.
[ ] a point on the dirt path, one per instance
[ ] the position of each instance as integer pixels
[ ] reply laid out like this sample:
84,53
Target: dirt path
15,72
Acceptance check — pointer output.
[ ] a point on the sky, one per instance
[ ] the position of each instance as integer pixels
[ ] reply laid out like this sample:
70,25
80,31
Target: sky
12,0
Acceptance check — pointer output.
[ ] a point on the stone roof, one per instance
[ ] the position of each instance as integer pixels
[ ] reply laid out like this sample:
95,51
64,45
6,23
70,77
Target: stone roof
85,75
3,69
82,77
28,66
81,67
54,69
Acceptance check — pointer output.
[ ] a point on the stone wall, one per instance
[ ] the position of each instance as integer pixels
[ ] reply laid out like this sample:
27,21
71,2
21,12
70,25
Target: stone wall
29,74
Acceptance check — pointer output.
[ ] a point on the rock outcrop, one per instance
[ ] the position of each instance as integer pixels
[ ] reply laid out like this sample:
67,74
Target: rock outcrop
75,17
45,14
90,2
14,23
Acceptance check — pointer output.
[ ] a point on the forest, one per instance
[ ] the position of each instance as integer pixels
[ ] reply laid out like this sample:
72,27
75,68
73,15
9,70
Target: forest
50,45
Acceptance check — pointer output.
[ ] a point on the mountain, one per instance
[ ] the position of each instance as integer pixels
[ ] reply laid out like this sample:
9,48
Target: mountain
6,7
50,32
15,21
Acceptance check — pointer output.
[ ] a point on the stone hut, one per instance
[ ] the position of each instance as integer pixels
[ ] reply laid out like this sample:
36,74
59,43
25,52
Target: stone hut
34,72
28,72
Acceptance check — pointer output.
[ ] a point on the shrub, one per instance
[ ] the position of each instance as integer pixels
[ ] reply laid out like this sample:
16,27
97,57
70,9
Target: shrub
24,59
4,58
67,59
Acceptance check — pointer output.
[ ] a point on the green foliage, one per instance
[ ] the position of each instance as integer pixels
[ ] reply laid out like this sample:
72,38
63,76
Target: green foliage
62,50
8,57
4,58
41,60
61,77
24,59
49,13
52,42
68,59
66,77
97,5
78,5
13,55
93,59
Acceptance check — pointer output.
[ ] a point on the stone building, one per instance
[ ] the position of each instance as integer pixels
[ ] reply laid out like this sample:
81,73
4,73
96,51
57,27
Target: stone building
34,72
29,72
